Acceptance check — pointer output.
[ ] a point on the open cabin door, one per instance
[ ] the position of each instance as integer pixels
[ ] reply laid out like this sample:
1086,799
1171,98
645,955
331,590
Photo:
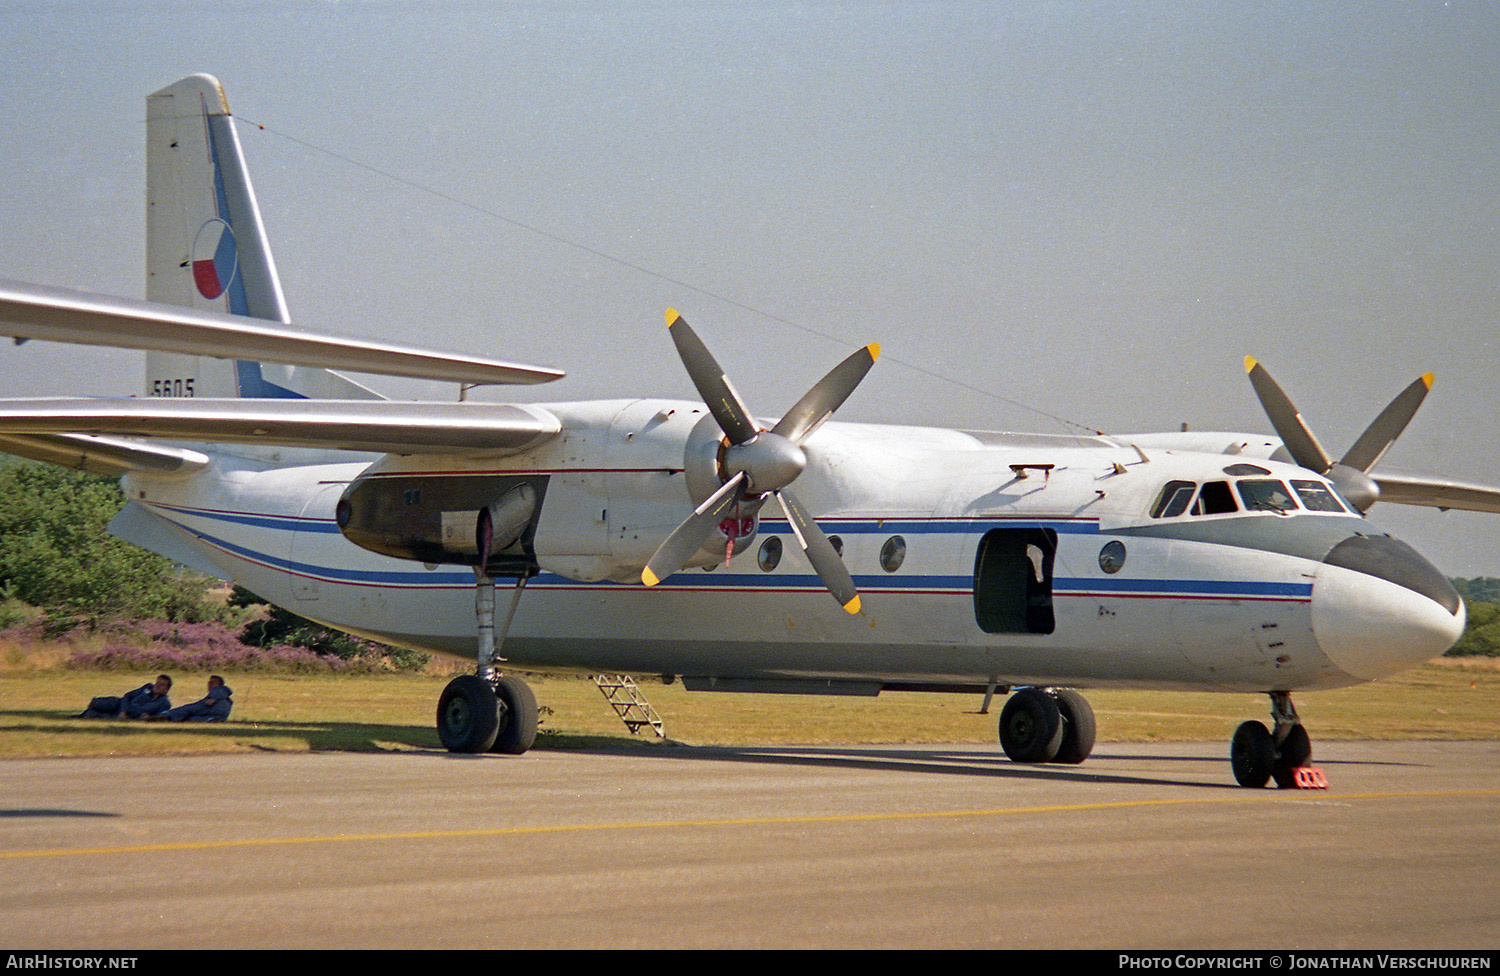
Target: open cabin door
1013,581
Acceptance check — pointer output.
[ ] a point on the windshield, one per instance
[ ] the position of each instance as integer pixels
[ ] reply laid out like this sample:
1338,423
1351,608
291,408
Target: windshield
1179,498
1318,497
1265,494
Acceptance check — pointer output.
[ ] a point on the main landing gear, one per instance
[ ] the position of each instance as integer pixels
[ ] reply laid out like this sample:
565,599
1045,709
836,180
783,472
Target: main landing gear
1258,755
476,716
484,711
1047,725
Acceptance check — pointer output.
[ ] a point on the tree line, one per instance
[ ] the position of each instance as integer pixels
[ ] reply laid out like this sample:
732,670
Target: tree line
1482,634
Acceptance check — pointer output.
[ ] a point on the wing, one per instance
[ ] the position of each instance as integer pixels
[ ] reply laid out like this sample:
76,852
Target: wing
112,456
1441,493
60,315
385,426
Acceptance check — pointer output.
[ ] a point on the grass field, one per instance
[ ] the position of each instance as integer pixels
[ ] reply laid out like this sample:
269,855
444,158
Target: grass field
1447,699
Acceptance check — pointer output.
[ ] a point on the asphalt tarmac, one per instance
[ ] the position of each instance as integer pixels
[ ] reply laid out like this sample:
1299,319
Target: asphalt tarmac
1142,847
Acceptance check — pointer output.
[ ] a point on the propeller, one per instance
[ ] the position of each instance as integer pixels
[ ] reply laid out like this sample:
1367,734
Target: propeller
755,463
1350,473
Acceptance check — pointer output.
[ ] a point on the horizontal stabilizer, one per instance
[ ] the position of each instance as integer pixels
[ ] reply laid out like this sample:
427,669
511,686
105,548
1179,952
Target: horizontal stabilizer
111,456
1437,493
385,426
61,315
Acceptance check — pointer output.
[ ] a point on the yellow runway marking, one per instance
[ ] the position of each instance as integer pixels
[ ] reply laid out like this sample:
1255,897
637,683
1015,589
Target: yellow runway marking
1257,796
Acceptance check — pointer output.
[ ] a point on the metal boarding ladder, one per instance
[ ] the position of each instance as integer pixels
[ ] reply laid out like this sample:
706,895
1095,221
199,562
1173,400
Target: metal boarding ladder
628,702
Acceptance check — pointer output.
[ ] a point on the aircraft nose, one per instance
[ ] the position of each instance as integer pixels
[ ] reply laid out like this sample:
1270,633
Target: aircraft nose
1379,607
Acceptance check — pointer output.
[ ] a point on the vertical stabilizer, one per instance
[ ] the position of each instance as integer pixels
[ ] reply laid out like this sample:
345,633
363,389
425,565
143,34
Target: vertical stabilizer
206,247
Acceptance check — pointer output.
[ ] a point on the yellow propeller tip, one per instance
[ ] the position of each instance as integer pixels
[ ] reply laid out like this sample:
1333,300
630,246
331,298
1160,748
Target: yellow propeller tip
1427,379
1249,363
874,349
853,605
672,316
649,578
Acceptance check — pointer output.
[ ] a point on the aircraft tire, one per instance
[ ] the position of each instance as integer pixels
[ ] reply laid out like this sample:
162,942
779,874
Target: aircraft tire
468,715
1295,750
1031,726
1078,727
1252,754
518,716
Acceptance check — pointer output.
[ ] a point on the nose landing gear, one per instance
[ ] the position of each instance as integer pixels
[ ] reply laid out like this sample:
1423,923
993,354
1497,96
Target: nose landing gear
1257,755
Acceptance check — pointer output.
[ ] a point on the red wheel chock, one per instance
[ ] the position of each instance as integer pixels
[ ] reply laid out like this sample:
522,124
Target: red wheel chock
1307,778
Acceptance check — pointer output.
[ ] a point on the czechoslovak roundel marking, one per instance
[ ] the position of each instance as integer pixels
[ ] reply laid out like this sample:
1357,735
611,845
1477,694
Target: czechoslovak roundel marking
215,258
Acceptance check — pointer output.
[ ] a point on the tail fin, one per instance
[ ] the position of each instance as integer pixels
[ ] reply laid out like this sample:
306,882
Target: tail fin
206,248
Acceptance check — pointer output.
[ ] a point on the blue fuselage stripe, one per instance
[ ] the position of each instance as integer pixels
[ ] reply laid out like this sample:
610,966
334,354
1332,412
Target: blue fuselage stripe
281,523
933,584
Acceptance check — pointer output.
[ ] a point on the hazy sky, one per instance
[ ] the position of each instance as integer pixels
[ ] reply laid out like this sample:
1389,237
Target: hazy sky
1095,210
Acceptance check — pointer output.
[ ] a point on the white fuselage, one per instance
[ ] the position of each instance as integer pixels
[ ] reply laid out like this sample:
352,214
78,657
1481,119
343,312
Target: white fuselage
1240,601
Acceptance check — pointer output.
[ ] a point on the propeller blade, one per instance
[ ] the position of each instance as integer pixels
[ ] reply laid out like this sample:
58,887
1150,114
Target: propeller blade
1293,430
1388,426
827,395
713,386
820,552
688,537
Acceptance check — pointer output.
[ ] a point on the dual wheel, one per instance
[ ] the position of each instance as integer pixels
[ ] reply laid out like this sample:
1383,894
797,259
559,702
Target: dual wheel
1042,725
1256,757
473,716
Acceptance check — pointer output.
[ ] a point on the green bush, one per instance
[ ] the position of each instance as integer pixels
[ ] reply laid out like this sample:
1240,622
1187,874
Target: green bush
56,554
1482,634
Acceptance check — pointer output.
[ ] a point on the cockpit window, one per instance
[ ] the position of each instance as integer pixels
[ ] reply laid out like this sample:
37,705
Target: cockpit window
1215,499
1317,497
1265,495
1257,494
1174,499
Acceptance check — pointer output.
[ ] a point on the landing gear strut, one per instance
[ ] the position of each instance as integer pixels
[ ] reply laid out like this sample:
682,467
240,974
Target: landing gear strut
1047,725
486,712
1258,755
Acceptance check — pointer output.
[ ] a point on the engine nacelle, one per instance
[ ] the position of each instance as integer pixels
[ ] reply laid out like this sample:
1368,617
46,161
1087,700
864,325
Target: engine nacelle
459,519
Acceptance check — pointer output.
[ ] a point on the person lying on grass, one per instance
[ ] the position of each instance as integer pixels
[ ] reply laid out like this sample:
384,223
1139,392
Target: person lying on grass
147,701
213,707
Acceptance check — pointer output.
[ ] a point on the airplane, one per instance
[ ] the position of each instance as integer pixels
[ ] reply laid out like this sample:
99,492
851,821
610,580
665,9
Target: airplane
701,542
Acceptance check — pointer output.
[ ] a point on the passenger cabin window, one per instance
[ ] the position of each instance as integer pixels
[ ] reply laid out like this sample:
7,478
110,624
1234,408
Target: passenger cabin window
1265,495
1317,497
1215,499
